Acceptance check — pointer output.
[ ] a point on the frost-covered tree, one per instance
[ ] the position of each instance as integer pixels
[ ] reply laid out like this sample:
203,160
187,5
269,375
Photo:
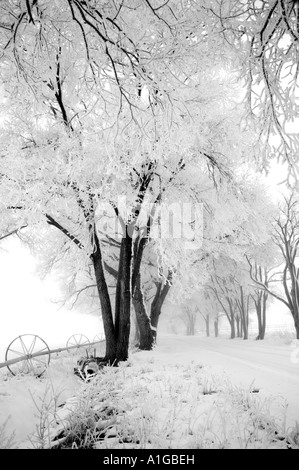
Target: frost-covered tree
232,293
264,35
260,297
263,262
189,317
149,292
286,238
206,306
105,100
247,228
222,289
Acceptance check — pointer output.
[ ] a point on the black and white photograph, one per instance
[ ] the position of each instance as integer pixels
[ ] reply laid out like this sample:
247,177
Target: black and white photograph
149,227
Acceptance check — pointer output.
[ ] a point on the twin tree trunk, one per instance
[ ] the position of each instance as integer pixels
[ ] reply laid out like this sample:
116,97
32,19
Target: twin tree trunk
148,324
116,332
126,286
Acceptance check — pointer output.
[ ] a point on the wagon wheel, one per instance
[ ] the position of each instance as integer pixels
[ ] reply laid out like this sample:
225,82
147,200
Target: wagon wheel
99,337
77,341
98,347
33,352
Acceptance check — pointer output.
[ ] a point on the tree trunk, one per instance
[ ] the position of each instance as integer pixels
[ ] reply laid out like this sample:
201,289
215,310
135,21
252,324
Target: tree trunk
123,299
192,325
233,330
264,310
295,315
216,328
258,308
155,314
190,329
207,321
102,288
243,309
136,339
157,303
246,319
238,327
231,318
146,337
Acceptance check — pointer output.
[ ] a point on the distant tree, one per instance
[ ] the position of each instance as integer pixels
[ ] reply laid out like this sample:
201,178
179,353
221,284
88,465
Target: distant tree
239,326
207,308
243,303
216,326
260,298
189,318
231,286
206,318
286,237
223,292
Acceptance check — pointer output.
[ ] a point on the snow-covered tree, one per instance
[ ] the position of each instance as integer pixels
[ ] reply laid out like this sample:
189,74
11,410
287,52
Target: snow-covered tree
230,280
107,100
264,35
206,307
189,318
286,238
113,107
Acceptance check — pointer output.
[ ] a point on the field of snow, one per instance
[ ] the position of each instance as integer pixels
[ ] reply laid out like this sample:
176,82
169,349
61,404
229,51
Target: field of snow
190,392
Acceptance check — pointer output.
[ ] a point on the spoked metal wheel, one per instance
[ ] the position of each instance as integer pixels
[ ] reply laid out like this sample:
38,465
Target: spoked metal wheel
99,337
77,341
99,346
28,354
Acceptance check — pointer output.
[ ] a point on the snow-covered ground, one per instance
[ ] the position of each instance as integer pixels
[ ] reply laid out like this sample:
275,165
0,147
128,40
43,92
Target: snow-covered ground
273,368
189,392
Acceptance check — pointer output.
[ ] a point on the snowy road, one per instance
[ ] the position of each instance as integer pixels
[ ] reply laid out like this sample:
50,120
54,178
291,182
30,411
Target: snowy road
271,368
